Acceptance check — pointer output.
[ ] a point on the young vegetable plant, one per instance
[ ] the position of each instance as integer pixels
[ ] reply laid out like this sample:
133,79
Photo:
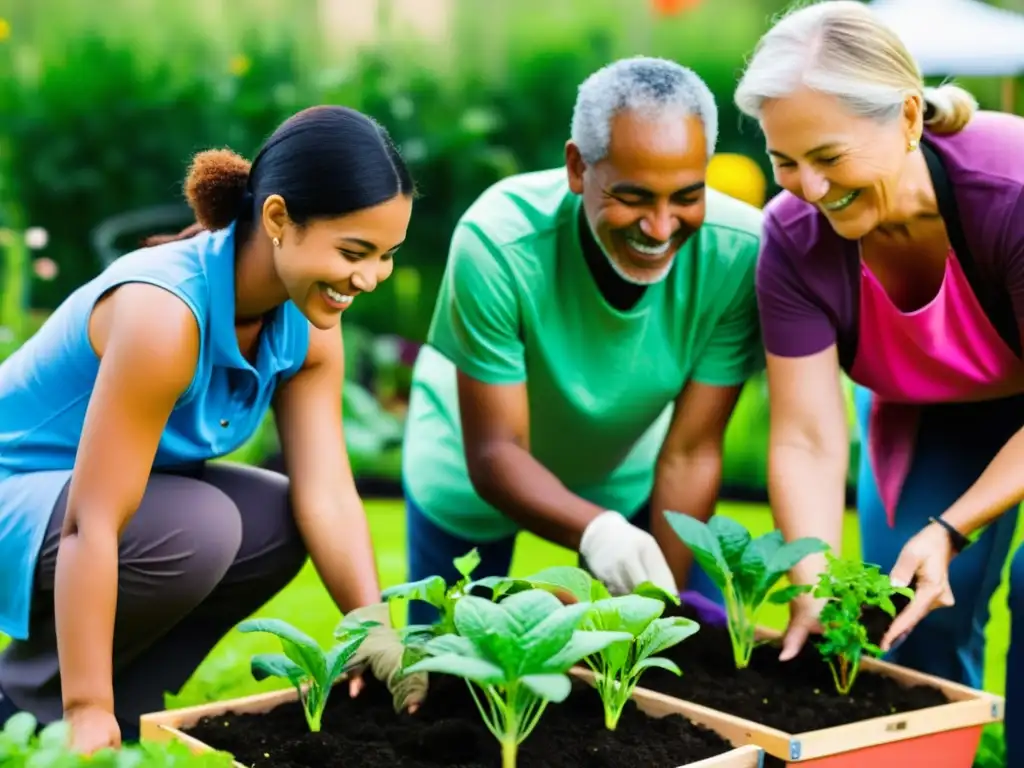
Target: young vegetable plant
434,591
304,663
24,745
849,586
517,653
618,667
745,569
568,583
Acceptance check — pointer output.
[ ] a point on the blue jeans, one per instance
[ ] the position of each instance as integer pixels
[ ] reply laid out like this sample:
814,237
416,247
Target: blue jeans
431,549
954,445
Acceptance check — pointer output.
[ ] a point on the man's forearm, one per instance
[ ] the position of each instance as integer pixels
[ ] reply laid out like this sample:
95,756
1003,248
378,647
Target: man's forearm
341,549
514,482
687,483
807,491
85,600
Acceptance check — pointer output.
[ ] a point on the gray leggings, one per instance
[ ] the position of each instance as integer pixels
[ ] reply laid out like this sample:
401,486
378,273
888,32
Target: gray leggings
206,548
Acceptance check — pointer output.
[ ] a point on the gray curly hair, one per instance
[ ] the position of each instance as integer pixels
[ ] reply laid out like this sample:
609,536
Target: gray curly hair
644,84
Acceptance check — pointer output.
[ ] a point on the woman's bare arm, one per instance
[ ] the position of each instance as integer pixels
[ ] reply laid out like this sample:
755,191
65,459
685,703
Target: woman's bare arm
148,344
328,510
808,452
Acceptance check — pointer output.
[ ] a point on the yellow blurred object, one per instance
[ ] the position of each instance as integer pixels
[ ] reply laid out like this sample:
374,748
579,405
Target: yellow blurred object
5,29
737,176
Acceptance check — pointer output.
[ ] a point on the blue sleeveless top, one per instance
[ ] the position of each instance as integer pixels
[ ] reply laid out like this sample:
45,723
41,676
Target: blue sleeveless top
46,384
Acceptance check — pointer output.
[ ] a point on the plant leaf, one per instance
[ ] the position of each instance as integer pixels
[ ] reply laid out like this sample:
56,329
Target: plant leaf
575,581
664,633
467,563
264,665
582,644
492,629
649,589
550,687
430,590
657,661
297,645
340,655
786,594
784,558
467,667
546,637
703,543
732,537
754,566
20,728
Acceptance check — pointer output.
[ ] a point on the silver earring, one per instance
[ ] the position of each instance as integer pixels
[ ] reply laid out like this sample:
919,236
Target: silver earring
277,243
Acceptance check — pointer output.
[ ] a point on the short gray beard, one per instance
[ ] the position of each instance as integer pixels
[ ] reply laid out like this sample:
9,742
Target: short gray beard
631,279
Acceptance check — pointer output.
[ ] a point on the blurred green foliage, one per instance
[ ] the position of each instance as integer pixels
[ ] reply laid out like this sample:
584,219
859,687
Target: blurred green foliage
106,105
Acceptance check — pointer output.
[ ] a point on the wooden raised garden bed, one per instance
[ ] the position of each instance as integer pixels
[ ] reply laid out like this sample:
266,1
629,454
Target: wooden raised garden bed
893,717
269,731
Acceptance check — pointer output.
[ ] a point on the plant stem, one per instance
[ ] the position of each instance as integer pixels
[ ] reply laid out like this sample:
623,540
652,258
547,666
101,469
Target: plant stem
741,628
509,751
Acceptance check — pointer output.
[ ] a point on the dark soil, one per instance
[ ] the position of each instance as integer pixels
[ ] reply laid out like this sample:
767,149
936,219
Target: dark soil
448,731
794,696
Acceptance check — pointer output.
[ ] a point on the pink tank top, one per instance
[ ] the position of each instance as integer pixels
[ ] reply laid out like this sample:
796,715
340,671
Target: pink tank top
944,352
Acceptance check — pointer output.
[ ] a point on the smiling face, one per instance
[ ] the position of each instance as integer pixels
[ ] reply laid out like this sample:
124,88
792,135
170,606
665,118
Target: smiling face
327,263
646,197
852,168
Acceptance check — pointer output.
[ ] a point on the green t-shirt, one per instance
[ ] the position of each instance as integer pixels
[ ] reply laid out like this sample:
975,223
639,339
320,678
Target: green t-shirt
518,303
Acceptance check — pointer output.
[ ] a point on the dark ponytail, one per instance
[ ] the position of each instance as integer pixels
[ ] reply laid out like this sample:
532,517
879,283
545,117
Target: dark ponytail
324,161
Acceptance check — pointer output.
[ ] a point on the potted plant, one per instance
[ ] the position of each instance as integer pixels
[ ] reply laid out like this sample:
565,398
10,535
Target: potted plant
503,692
835,705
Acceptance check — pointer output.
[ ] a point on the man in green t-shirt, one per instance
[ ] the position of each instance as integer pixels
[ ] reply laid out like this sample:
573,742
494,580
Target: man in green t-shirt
593,329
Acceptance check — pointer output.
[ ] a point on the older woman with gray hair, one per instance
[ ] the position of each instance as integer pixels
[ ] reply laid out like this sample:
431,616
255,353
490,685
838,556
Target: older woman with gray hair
894,253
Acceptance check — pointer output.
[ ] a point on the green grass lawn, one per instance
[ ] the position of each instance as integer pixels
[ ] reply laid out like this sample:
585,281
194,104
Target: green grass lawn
225,673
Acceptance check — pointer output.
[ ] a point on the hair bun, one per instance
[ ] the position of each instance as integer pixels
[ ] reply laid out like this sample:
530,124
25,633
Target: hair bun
215,187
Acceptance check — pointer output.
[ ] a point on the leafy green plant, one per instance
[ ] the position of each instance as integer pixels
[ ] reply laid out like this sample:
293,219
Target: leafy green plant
745,569
436,592
21,746
849,586
516,652
304,663
568,583
618,667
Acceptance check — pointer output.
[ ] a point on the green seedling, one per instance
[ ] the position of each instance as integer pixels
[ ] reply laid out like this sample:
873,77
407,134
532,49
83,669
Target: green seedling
849,586
22,747
304,664
618,667
517,653
568,583
434,591
745,569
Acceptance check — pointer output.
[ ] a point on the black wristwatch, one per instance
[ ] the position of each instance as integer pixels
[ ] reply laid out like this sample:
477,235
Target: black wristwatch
960,542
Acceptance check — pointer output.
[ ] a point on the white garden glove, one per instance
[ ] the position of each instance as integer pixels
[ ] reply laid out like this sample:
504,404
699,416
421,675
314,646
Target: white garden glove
623,556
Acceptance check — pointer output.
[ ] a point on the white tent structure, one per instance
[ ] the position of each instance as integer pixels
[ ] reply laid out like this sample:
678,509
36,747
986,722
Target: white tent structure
959,37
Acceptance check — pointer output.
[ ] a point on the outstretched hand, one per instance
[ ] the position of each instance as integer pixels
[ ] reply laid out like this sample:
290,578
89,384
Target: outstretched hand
382,651
923,562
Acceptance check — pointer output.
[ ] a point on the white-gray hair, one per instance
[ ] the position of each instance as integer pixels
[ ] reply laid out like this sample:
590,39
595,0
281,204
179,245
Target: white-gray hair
647,85
842,48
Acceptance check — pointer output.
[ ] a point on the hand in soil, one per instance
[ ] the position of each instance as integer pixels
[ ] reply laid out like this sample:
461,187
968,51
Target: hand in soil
803,622
383,652
924,561
92,728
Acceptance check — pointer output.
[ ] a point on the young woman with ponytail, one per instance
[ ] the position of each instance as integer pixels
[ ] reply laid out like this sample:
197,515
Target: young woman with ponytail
126,554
